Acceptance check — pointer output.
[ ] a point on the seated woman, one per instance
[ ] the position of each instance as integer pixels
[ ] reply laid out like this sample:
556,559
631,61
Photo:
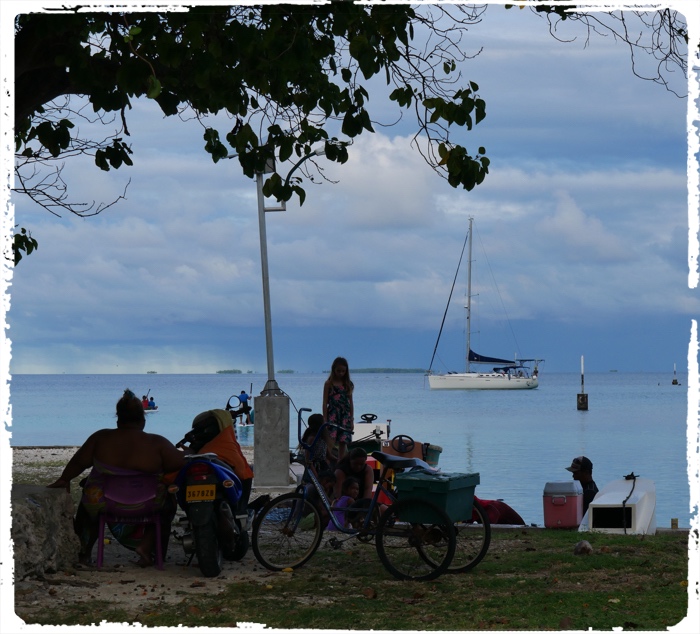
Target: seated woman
111,451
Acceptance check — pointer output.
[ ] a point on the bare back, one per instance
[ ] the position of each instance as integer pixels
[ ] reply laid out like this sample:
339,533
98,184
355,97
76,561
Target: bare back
133,449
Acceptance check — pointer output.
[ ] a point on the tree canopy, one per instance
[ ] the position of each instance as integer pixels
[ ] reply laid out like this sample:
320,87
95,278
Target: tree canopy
282,74
282,78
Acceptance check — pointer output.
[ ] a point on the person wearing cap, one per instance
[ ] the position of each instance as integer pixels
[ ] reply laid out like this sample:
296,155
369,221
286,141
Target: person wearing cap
582,470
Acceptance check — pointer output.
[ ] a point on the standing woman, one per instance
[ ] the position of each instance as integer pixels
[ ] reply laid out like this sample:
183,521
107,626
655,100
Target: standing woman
338,408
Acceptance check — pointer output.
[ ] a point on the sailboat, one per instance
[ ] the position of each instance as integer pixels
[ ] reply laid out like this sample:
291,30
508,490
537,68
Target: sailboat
505,374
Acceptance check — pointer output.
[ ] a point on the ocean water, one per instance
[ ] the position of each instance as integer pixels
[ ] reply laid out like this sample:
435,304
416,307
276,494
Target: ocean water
517,441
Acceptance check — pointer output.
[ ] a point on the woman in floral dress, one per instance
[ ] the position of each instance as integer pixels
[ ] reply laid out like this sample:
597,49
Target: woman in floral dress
337,404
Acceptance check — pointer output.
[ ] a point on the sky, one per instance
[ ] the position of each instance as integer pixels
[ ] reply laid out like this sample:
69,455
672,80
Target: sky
586,221
583,223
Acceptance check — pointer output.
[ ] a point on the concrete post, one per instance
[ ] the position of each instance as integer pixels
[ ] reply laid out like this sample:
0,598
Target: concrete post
271,441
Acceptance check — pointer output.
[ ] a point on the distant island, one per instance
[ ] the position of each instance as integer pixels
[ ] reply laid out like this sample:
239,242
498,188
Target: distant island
388,371
352,371
151,372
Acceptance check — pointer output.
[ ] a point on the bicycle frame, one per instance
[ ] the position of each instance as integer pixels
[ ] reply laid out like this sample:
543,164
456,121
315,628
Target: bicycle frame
290,528
369,510
327,504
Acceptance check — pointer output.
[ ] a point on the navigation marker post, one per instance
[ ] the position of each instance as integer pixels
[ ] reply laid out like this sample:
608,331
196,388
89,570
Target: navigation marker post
582,398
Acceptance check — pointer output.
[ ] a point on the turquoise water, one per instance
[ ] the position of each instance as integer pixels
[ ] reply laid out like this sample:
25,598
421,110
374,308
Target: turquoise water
517,441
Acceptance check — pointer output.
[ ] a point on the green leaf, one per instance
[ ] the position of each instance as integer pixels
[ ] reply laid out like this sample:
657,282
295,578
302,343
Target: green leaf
301,193
359,45
402,96
153,87
23,241
286,149
101,160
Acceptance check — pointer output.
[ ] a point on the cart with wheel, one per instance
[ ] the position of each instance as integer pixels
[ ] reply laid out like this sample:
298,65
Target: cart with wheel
415,538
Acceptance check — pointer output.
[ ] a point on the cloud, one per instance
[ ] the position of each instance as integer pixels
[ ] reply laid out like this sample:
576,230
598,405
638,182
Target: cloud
580,237
582,220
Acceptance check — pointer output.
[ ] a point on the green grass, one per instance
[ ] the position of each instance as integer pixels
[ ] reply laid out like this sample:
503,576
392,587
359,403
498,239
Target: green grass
529,580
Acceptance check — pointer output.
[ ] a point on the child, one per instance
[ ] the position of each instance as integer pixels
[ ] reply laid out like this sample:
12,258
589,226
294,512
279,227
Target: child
319,457
338,407
350,491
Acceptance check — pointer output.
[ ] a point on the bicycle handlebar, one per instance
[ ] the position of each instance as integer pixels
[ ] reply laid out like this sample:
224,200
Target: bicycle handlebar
318,433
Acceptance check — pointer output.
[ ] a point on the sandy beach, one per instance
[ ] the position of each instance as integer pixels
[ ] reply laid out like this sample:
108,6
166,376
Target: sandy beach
27,459
120,581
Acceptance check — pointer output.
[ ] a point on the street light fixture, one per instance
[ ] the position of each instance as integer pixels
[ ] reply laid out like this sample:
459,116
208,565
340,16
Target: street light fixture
318,152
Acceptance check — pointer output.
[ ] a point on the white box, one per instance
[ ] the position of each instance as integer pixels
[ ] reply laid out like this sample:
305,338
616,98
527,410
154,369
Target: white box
624,506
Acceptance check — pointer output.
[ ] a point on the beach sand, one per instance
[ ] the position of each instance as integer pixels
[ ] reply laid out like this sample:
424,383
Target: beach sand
26,458
121,582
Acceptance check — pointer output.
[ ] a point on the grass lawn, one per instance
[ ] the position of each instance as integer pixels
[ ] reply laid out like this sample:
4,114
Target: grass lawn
529,580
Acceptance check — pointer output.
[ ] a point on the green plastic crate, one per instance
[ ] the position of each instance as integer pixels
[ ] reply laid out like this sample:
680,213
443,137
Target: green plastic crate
452,492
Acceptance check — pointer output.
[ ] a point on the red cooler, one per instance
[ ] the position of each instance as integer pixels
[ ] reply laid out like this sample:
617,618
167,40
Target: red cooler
563,504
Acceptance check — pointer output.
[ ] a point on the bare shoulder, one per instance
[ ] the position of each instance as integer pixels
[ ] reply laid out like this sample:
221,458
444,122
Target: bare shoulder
99,436
159,440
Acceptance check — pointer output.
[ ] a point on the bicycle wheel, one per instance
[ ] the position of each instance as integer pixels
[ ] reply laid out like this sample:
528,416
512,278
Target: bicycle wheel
415,540
473,541
473,538
287,532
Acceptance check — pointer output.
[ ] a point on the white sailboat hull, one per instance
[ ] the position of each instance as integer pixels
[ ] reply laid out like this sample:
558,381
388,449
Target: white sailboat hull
480,381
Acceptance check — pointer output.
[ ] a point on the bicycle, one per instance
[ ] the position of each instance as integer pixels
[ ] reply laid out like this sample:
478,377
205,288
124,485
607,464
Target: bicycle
415,539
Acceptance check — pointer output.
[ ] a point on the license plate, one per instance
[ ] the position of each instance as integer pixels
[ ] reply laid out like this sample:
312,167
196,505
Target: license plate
200,493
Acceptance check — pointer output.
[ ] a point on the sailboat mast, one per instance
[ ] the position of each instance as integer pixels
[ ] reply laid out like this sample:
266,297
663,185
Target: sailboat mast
469,295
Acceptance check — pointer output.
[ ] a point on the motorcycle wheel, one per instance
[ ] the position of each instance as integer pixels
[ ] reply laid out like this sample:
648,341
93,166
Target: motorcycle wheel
206,545
238,549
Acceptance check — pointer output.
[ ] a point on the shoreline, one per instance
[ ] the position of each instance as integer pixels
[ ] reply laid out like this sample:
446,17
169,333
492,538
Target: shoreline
37,456
43,465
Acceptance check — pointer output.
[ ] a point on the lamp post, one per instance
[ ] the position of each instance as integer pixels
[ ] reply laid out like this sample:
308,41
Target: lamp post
271,440
271,387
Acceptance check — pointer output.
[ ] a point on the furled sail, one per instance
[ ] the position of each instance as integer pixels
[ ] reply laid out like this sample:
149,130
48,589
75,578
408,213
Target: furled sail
478,358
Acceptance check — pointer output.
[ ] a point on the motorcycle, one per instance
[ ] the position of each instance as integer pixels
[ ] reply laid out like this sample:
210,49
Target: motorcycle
214,500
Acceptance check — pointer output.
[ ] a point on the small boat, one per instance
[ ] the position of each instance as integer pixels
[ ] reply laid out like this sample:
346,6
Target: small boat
504,375
150,410
625,506
371,433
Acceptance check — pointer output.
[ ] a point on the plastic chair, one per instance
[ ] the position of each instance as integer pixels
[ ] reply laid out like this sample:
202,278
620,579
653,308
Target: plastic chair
130,499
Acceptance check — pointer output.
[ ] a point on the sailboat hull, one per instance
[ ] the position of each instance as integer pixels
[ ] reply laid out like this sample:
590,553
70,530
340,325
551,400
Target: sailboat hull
480,381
